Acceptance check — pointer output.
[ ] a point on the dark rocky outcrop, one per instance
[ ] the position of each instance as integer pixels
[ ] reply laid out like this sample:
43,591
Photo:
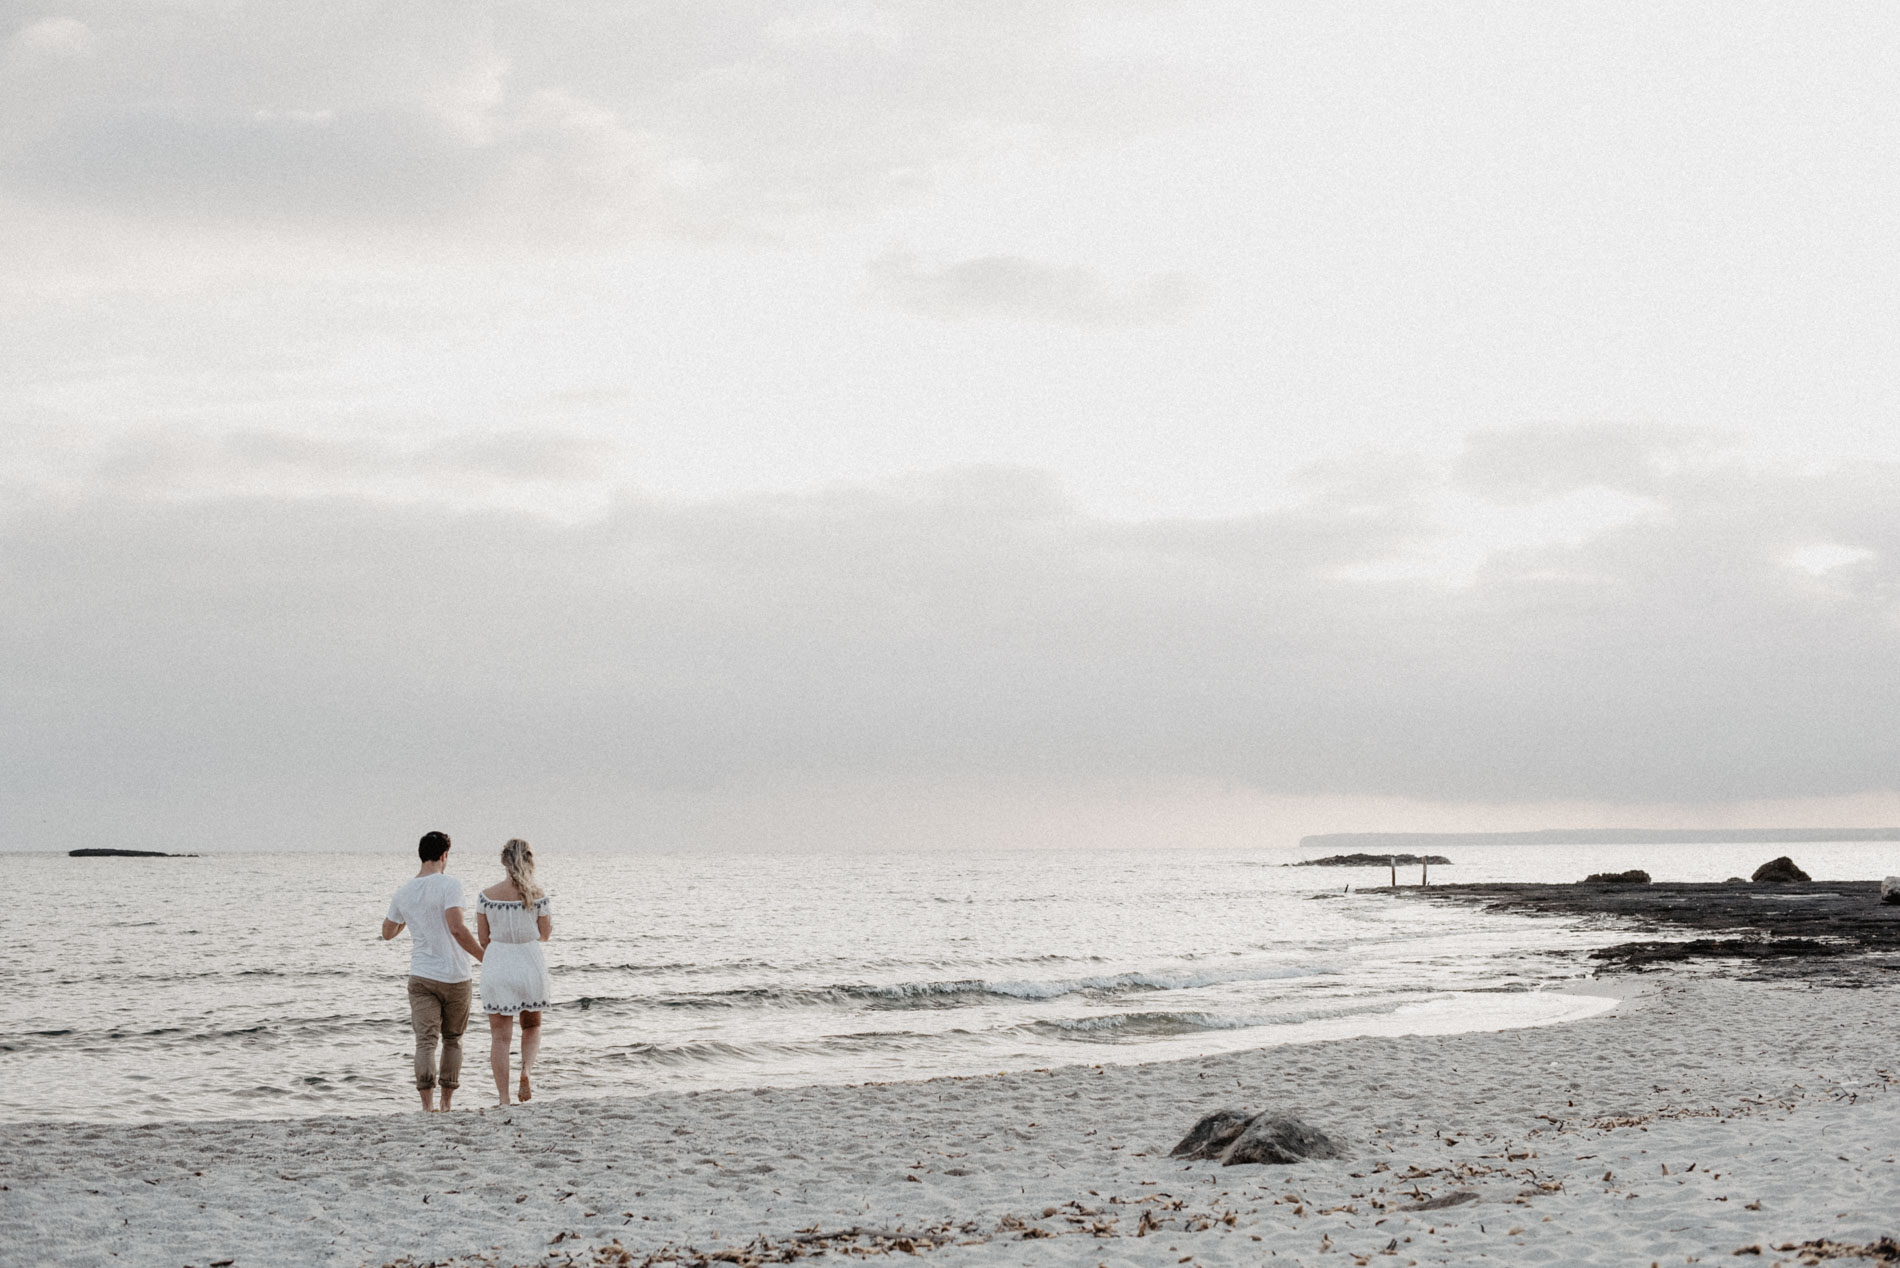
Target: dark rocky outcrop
1375,860
1781,871
1235,1138
1837,931
1635,876
1638,954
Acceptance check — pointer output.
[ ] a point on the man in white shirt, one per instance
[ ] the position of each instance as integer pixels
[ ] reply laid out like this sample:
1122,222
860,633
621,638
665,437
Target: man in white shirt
430,907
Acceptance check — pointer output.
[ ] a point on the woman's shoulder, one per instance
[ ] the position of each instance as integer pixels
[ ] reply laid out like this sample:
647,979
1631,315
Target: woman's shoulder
502,893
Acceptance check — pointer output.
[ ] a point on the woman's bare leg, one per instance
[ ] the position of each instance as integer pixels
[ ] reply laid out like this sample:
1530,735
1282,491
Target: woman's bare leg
530,1044
501,1029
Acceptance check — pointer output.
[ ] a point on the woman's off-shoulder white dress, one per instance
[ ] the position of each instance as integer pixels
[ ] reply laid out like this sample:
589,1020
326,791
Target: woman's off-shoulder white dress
514,970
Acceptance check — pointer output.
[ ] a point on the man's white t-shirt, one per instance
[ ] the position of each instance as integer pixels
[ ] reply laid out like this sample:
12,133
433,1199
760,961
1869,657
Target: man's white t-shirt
421,905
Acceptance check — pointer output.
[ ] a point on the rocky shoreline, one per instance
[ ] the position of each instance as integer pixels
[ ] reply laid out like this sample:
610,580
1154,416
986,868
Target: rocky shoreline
1837,929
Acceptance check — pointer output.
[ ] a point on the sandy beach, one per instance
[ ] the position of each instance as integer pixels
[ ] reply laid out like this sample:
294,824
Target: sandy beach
1698,1118
957,546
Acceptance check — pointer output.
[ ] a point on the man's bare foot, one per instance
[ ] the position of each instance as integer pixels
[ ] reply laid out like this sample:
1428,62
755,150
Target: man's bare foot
445,1103
527,1092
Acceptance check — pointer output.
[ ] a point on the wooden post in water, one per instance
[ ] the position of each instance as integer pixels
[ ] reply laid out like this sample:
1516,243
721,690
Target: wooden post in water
1392,861
1424,873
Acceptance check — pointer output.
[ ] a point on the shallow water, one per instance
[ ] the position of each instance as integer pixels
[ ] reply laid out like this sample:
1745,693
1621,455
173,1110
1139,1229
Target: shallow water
255,985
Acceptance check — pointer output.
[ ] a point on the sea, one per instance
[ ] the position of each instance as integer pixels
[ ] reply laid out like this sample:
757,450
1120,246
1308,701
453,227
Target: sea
255,985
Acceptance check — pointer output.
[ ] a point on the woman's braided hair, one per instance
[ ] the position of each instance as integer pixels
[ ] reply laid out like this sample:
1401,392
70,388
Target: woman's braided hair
517,859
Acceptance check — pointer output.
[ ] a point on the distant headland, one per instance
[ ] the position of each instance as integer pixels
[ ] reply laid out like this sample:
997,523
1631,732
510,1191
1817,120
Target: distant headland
1394,842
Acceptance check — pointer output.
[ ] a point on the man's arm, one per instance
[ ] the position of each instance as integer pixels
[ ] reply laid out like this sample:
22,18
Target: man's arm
391,928
460,933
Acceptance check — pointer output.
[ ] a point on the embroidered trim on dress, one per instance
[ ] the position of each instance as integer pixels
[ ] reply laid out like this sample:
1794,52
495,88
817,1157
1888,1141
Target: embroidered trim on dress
511,1009
511,902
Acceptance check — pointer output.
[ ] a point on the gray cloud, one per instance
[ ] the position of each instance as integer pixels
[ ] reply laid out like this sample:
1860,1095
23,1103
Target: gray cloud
582,119
197,462
1011,286
300,654
291,289
520,454
1527,464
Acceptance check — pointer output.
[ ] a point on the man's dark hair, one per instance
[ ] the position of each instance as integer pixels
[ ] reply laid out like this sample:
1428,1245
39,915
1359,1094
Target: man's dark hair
433,846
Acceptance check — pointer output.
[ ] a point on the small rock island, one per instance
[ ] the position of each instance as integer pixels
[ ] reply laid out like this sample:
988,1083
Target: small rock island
1375,860
124,854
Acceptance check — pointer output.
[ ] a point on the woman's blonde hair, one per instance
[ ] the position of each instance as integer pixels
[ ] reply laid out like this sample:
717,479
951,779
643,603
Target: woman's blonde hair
517,859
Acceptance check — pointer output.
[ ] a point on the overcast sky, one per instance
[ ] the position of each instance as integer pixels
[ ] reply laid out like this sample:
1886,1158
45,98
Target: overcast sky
1106,422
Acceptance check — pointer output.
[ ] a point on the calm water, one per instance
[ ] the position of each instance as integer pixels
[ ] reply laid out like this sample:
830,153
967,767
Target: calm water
254,984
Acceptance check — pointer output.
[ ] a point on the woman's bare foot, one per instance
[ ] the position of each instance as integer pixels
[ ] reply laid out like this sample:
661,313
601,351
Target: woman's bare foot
526,1092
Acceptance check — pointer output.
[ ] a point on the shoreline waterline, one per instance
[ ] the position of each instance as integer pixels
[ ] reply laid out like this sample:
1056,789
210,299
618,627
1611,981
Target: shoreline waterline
255,987
1567,1004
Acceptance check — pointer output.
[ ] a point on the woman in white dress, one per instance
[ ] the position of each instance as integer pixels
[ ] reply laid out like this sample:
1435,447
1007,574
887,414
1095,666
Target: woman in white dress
511,922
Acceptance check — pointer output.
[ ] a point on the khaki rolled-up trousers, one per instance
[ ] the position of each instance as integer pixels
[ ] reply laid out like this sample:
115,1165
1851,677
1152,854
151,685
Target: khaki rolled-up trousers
438,1010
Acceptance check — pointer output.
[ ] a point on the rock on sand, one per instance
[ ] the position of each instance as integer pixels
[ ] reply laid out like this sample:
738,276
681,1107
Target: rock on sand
1236,1137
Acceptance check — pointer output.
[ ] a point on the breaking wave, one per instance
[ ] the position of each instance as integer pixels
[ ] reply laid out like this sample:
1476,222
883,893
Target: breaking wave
967,991
1140,1026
